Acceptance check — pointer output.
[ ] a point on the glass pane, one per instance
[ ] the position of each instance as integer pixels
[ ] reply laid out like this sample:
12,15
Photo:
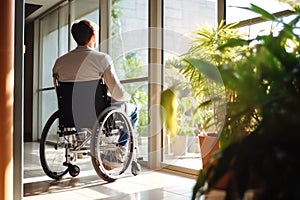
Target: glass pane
63,30
84,9
54,42
129,38
128,46
265,28
233,14
182,18
186,16
55,37
54,33
49,47
139,97
48,106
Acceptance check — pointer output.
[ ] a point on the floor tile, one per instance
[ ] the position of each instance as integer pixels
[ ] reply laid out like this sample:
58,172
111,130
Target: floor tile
88,186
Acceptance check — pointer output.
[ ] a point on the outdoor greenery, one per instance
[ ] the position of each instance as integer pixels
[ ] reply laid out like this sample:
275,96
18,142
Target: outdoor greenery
211,93
195,84
179,98
262,81
130,66
248,89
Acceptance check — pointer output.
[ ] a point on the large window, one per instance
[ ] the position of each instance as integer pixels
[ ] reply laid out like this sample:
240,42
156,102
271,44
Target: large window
128,46
233,10
55,40
181,19
124,34
53,43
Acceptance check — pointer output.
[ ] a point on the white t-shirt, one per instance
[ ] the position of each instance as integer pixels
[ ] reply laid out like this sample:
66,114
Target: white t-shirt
83,64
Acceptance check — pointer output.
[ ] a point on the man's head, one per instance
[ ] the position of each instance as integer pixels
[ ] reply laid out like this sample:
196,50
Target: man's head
83,31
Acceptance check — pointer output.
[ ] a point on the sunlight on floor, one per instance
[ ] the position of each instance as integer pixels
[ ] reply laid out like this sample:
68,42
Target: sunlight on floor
147,185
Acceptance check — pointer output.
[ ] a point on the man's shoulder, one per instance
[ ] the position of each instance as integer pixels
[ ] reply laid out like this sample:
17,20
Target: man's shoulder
92,52
64,55
100,53
102,56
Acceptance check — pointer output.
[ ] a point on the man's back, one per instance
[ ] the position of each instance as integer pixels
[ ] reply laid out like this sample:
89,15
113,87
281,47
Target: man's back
81,64
84,63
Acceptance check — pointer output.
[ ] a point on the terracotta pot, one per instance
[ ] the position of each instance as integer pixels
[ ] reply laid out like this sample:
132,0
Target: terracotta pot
209,144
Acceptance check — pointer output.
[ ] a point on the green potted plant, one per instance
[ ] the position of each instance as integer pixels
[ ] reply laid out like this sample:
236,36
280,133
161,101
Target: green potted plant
205,48
209,96
266,82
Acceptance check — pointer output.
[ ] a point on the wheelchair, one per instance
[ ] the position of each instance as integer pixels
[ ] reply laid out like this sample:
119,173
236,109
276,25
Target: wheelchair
87,123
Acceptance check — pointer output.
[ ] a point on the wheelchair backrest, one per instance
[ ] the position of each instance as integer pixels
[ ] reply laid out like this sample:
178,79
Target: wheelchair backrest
80,102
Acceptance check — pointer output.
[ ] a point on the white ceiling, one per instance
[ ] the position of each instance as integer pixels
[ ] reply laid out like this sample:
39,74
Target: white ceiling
45,5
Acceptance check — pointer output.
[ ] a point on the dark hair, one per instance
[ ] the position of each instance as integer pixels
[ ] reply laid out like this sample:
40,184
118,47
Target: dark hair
82,32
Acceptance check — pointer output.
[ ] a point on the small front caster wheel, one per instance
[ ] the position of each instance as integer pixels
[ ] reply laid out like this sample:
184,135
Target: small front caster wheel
74,170
135,168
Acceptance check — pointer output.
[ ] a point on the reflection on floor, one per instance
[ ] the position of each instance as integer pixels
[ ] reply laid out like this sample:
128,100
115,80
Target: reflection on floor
147,185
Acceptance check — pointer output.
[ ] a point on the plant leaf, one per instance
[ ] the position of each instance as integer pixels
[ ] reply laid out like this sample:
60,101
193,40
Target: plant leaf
265,14
206,68
234,42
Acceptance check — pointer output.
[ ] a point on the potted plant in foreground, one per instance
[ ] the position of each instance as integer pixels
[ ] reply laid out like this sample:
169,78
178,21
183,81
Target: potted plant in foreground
207,87
267,81
203,114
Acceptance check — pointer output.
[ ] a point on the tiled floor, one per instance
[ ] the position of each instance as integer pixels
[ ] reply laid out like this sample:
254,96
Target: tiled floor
149,184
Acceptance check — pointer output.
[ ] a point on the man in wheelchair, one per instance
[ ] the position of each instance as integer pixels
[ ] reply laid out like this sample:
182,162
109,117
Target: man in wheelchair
84,63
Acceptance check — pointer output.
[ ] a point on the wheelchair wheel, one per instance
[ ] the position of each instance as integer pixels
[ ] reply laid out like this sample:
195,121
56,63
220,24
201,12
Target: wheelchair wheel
112,144
52,152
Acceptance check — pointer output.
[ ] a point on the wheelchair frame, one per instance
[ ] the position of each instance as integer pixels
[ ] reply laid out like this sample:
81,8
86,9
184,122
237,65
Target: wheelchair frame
60,145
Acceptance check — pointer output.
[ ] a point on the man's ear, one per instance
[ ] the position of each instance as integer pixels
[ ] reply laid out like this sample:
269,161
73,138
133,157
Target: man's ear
93,37
92,41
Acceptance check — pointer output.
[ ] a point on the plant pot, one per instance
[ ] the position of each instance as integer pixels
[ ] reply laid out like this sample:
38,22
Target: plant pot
209,144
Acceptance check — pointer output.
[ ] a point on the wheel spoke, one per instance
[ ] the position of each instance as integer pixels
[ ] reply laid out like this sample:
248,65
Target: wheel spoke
112,145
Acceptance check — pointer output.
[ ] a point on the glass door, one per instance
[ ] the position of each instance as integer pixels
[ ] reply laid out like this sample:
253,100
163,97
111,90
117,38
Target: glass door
181,20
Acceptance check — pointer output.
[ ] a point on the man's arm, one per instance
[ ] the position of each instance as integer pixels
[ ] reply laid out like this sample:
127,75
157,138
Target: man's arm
115,87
